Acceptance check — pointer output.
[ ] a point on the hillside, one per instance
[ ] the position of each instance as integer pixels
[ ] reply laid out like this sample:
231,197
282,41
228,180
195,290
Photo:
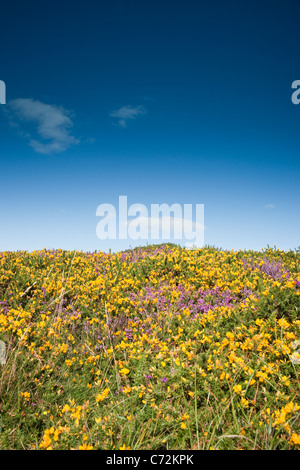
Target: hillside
153,348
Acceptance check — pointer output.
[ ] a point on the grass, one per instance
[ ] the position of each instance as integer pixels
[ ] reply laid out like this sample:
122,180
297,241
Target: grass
153,348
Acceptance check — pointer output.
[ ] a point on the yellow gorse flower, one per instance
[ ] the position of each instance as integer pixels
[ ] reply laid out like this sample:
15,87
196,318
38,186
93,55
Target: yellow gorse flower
103,395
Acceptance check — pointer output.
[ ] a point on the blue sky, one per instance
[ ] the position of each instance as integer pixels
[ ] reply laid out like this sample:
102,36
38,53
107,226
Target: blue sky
183,102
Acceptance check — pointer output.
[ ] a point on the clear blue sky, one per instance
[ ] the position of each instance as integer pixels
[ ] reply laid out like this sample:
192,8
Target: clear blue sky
162,101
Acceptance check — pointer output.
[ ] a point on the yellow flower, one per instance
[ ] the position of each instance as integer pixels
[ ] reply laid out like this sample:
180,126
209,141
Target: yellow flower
124,447
103,395
237,389
25,395
285,381
85,447
295,438
244,402
65,409
283,323
177,361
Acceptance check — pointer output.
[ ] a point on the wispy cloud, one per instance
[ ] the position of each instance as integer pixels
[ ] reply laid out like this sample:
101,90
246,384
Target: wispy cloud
269,206
52,125
126,113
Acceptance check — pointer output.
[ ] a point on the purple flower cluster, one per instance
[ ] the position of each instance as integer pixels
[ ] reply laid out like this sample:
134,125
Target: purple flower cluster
273,269
199,302
5,308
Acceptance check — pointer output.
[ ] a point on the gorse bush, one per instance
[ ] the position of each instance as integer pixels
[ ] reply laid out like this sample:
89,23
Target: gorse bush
157,347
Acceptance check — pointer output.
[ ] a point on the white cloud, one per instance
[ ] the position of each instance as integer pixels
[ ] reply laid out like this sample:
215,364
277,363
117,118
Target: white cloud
52,124
165,224
269,206
122,115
